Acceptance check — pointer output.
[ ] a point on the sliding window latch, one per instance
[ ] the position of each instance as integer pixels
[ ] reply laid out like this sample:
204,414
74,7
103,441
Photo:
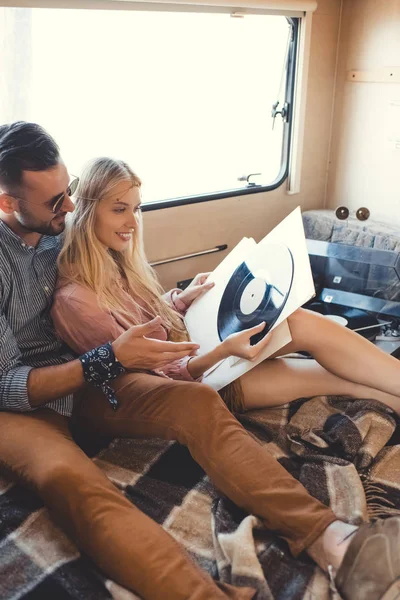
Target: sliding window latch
284,112
247,179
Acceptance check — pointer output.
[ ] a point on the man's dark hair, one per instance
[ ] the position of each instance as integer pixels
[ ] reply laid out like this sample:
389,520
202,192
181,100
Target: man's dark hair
25,147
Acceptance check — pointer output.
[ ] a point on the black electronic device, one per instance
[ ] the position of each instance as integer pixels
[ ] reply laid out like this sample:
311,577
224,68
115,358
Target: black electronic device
359,287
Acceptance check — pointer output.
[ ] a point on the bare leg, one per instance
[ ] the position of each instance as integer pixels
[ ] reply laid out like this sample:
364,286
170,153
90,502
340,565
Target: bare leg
275,382
344,353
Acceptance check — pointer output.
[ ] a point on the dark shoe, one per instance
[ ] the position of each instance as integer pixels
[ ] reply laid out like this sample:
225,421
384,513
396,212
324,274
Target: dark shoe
371,566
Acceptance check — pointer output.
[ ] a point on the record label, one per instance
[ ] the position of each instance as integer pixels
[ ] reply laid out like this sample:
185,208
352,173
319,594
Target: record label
253,295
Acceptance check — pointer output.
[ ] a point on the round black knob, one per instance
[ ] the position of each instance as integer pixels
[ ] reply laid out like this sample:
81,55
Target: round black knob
362,214
342,212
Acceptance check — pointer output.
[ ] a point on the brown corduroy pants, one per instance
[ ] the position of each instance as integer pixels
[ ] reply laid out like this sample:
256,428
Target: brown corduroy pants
126,544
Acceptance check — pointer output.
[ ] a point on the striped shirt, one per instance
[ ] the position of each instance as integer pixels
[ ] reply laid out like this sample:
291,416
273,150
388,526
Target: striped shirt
27,336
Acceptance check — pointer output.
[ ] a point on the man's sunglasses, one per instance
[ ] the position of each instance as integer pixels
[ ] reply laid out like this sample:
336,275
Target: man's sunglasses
57,201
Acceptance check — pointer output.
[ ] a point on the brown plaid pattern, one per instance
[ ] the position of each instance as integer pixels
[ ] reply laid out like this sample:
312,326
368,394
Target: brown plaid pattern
345,452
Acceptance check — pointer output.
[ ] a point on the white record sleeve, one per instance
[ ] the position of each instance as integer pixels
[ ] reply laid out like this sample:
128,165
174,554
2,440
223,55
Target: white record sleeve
202,317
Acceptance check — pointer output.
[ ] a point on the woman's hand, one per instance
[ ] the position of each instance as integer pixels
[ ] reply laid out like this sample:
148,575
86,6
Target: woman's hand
196,288
238,344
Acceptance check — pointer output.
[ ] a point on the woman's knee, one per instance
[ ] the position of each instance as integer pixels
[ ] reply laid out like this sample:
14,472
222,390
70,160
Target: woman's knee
298,318
303,323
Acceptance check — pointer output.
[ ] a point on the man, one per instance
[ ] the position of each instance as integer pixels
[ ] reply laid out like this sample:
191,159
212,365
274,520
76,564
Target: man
44,390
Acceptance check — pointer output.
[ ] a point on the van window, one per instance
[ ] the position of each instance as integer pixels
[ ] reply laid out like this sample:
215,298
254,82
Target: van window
184,97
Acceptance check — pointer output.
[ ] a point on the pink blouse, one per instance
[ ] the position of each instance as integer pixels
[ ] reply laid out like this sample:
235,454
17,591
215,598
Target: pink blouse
83,324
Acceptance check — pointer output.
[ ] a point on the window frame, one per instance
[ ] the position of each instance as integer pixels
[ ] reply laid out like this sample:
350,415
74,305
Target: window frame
294,17
286,142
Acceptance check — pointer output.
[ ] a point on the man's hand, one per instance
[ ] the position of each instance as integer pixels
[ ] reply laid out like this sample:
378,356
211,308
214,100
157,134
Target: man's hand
135,351
238,344
196,288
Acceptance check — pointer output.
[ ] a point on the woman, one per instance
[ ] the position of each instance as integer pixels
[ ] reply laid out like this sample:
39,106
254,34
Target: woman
106,285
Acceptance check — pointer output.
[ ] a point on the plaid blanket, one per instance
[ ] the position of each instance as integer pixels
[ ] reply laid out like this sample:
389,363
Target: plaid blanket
345,452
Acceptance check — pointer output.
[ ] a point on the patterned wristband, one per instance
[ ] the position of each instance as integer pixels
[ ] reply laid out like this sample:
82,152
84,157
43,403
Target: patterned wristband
100,366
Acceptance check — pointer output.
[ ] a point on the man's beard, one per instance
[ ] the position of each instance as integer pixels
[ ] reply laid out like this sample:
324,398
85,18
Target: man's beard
53,227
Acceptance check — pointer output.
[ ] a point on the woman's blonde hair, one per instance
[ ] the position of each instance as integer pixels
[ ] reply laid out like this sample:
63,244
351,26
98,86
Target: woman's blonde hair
108,273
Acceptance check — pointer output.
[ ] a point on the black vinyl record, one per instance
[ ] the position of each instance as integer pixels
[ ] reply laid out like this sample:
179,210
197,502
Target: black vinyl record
353,318
257,291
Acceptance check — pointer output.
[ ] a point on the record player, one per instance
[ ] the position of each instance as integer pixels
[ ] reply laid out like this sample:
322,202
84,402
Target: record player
360,288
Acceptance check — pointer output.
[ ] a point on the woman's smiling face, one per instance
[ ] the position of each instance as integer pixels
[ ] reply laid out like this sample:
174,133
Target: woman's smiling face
118,216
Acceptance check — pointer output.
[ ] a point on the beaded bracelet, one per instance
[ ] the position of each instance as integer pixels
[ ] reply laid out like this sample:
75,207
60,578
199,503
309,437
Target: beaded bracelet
100,365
